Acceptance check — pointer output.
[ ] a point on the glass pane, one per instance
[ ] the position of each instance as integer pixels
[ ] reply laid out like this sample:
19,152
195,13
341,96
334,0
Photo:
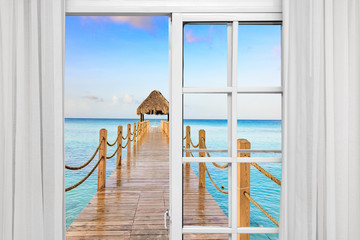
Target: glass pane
205,200
263,194
259,236
259,55
198,236
259,122
205,55
207,112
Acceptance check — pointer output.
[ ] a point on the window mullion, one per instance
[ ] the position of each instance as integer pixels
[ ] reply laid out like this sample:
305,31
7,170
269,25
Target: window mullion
229,117
234,207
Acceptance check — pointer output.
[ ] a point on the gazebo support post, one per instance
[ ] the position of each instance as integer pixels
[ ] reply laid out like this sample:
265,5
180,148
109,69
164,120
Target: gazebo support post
141,117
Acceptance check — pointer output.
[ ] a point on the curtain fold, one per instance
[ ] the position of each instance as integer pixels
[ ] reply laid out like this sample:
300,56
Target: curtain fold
31,119
321,169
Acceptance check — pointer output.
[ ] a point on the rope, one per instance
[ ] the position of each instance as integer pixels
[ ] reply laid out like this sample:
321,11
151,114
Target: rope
212,181
194,146
215,164
89,161
114,152
114,142
260,208
267,174
126,144
222,167
132,138
86,177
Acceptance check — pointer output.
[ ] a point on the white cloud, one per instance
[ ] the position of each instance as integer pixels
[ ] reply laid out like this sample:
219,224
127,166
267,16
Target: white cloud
115,100
128,99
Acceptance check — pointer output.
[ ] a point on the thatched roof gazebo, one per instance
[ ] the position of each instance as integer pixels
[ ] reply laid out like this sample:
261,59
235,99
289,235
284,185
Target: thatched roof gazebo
154,104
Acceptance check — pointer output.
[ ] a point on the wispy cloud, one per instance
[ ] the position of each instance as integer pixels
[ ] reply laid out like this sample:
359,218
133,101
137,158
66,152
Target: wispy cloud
191,37
141,22
94,98
128,99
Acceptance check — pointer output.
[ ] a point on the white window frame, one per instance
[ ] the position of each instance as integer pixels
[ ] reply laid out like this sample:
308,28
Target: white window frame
179,11
232,90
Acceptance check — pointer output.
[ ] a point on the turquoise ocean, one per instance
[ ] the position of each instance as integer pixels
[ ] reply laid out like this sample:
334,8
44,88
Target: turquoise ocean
82,138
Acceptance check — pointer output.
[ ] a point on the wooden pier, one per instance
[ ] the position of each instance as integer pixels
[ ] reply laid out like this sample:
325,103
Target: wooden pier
136,195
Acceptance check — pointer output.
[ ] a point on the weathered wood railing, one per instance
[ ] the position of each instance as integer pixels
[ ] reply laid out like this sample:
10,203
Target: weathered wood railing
164,126
139,130
243,178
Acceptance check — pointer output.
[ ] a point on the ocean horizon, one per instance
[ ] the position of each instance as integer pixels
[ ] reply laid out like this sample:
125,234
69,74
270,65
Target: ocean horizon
82,138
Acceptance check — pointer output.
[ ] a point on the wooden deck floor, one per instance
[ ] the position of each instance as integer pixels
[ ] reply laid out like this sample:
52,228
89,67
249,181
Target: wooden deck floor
136,196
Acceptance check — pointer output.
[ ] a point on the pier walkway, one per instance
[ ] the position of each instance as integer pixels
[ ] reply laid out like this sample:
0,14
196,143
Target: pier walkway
132,204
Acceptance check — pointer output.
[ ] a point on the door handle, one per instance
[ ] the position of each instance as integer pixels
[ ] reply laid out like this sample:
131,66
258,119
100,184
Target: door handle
166,214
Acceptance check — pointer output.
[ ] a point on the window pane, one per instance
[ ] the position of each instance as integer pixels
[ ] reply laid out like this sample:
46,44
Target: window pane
259,55
263,193
259,122
205,201
205,55
207,112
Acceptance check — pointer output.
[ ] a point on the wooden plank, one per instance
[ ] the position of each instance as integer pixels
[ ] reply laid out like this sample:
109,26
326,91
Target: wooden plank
136,196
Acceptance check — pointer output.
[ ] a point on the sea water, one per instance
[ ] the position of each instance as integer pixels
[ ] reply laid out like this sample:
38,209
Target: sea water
82,138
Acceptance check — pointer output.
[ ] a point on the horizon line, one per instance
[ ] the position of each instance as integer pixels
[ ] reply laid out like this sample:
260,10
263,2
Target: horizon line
166,118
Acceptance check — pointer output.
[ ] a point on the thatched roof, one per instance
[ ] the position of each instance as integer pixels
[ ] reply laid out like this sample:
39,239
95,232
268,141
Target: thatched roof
155,104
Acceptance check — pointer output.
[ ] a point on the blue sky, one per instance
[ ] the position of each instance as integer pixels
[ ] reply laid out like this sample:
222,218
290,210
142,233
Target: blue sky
113,63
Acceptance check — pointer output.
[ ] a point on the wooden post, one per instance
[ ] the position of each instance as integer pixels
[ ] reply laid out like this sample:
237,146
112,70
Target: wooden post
102,158
134,135
243,184
141,128
119,143
128,137
137,131
187,143
201,154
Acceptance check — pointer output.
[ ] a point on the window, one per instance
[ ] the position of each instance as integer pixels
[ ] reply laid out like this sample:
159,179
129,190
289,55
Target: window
231,145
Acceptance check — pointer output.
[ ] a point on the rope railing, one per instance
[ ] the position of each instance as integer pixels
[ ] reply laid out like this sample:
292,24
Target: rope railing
112,155
212,181
116,140
139,129
266,173
257,166
87,163
247,195
243,186
194,146
86,177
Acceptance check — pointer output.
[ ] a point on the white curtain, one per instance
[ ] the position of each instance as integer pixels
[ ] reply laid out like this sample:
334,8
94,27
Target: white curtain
31,119
321,171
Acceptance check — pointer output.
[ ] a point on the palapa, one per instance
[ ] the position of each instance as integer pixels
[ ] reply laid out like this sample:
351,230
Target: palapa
154,104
